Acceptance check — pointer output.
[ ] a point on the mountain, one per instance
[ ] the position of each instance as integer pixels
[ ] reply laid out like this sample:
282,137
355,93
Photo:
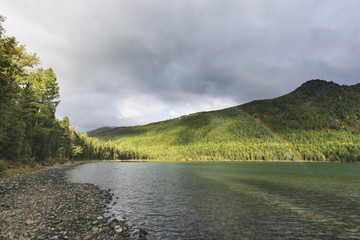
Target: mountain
319,121
317,104
99,130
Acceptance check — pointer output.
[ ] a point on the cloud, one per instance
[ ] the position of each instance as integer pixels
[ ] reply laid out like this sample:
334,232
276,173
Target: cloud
144,109
133,62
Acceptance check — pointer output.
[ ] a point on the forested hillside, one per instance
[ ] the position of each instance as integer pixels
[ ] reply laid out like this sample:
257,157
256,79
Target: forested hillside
29,130
318,121
317,105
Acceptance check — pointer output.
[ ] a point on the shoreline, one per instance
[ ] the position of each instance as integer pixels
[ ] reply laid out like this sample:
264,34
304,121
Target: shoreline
219,161
44,204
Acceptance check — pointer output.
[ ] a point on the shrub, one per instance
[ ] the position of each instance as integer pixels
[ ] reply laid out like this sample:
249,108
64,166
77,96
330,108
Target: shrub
3,165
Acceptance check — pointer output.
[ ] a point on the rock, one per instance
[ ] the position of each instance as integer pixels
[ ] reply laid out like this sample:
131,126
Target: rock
143,232
112,225
29,222
55,208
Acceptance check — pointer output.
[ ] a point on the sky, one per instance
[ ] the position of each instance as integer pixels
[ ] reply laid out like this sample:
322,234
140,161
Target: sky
131,62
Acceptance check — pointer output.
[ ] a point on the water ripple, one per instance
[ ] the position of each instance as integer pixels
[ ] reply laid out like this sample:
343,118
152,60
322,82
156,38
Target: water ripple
231,201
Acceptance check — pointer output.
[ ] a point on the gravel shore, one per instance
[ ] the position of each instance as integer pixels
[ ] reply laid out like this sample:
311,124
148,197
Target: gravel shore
45,205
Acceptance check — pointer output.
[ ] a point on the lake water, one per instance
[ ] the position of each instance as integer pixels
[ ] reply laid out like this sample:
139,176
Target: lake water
241,200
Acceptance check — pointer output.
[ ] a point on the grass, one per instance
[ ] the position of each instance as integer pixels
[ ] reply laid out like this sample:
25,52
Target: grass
19,170
10,169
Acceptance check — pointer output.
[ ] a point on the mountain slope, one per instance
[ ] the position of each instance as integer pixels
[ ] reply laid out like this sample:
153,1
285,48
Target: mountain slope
225,134
317,121
316,104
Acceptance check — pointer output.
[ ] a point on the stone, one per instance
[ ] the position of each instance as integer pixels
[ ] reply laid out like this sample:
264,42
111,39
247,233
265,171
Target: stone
106,229
112,224
55,208
29,222
143,232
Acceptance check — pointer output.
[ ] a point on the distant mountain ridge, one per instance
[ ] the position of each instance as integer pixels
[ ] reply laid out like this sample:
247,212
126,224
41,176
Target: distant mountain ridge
99,130
316,104
319,120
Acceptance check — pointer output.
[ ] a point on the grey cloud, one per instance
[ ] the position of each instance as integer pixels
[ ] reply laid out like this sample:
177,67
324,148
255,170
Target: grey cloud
185,52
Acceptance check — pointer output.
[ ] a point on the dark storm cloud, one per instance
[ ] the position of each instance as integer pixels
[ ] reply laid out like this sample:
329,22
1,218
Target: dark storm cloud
140,61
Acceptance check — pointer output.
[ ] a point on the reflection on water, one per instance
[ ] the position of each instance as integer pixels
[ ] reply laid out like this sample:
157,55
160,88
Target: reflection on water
257,200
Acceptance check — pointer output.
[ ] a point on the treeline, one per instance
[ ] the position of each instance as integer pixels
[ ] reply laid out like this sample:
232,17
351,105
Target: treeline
219,135
83,147
232,134
324,145
29,96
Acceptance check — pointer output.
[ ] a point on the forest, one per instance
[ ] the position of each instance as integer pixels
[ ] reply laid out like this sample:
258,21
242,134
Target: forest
319,121
30,133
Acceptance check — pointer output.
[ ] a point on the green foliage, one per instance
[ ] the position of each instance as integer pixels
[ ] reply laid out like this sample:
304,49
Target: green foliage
29,131
226,134
320,145
319,121
316,104
3,165
15,62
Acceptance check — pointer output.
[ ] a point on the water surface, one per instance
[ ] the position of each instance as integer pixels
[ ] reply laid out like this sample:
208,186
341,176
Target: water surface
242,200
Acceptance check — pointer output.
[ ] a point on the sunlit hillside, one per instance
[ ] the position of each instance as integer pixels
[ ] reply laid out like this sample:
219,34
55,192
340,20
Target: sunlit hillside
318,121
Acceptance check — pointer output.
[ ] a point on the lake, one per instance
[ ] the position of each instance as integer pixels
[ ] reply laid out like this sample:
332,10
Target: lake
232,200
